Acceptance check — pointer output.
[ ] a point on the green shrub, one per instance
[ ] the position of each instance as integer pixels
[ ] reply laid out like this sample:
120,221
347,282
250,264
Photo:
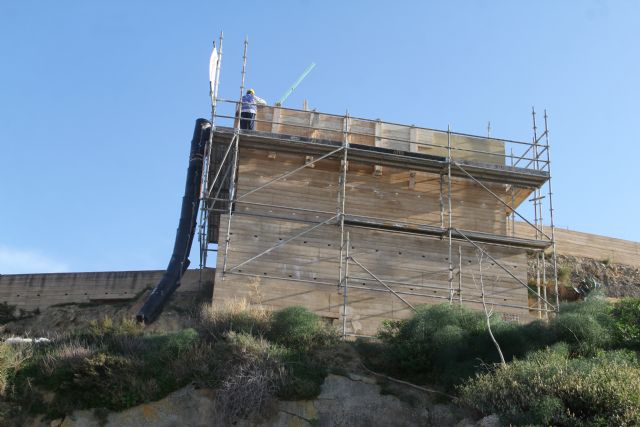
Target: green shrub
12,357
449,343
439,343
626,315
111,366
549,387
587,326
298,329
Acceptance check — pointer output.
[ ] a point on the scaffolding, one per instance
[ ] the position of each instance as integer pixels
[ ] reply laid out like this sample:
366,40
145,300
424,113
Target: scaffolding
527,173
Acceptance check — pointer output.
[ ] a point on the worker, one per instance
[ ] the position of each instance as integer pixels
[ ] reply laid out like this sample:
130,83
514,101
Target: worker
249,108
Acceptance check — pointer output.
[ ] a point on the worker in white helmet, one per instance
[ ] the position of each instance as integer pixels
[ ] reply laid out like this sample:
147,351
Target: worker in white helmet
249,109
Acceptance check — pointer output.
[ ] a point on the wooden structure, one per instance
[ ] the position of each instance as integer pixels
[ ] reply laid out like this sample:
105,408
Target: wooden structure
361,220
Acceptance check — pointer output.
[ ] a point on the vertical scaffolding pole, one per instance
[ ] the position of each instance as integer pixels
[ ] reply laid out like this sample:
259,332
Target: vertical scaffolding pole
551,224
206,166
342,195
536,221
234,164
513,203
346,286
460,274
441,200
450,220
244,69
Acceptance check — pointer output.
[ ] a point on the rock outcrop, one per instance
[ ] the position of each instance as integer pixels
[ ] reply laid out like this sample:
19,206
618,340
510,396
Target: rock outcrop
353,400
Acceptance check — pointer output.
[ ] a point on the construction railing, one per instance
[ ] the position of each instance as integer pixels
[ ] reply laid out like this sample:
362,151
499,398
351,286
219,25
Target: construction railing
377,133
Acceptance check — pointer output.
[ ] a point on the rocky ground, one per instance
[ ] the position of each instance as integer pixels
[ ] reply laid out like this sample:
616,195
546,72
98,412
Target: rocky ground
345,400
617,280
177,314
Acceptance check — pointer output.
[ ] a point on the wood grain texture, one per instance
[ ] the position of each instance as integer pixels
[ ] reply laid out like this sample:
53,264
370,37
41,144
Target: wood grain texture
379,134
408,264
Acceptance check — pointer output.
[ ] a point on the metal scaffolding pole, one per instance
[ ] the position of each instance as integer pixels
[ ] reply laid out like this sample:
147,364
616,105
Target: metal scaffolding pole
232,190
345,283
342,195
513,203
234,164
474,179
506,270
441,200
551,224
536,200
368,289
460,274
206,163
377,279
450,215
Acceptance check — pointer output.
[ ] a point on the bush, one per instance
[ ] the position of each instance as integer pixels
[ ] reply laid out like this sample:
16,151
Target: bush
298,329
626,319
587,326
116,365
446,343
548,387
250,377
440,343
12,357
111,366
237,316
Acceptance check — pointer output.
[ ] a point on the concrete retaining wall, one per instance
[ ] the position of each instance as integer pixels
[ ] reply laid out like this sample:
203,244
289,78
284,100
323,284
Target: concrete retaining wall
31,291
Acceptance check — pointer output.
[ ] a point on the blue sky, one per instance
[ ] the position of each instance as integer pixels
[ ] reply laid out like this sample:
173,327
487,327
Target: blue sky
98,102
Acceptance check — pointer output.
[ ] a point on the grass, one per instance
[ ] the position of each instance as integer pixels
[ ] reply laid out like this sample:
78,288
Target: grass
248,353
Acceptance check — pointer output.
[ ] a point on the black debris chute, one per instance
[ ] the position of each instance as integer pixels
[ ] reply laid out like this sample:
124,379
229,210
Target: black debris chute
186,228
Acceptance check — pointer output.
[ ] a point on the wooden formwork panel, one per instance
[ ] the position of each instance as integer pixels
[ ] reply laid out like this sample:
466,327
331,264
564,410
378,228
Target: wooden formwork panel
394,194
304,271
380,134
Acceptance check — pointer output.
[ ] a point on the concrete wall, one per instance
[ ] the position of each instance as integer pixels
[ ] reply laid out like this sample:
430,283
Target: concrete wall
579,244
31,291
305,270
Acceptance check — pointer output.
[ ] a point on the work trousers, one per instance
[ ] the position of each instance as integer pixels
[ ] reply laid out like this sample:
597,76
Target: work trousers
247,120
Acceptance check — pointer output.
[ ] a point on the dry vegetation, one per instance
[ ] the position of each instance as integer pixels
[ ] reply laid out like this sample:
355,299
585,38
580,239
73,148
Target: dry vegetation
578,369
114,365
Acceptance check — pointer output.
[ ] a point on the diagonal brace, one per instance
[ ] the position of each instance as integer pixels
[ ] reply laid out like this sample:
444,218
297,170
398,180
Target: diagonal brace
382,283
503,267
500,200
290,173
226,154
302,233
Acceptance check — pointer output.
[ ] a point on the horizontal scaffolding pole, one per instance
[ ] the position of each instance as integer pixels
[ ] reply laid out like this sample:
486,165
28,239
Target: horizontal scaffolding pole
490,172
499,199
285,175
365,288
389,138
504,268
230,101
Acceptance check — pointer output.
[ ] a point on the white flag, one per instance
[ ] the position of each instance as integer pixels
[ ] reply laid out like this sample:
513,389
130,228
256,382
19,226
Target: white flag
213,64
